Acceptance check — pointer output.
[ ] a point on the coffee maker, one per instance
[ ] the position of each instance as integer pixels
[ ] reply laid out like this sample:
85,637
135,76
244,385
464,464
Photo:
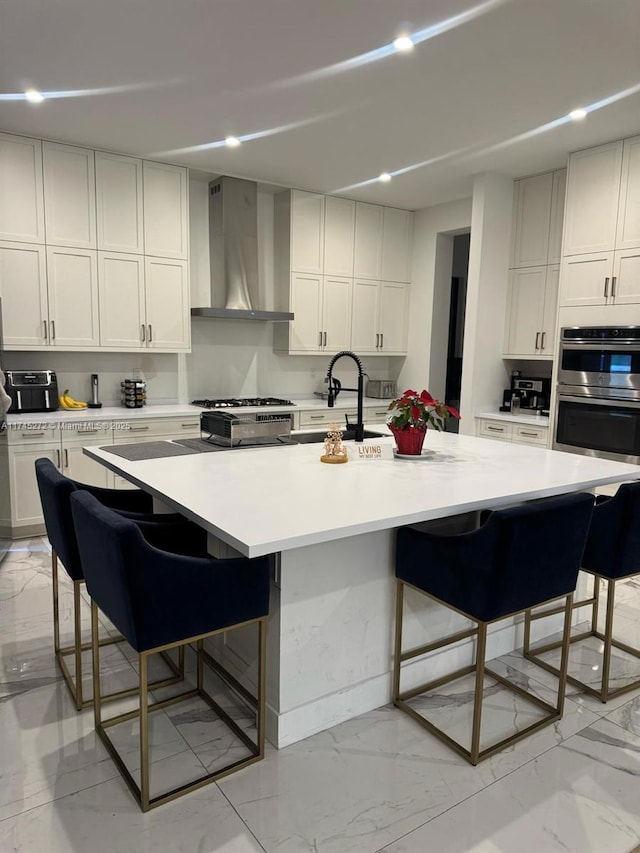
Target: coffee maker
527,393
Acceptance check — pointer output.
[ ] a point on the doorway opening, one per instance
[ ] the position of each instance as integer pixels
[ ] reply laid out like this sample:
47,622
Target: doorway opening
455,341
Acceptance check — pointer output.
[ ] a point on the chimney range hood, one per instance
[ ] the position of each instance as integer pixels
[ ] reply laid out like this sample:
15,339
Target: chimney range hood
233,253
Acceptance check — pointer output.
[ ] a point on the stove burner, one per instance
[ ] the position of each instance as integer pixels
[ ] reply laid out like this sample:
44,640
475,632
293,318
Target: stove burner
237,402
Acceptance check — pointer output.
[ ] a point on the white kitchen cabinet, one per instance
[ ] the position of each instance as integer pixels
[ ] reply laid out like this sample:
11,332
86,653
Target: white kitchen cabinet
24,497
516,433
72,276
77,465
167,304
396,244
123,316
593,194
531,312
554,254
367,257
166,210
322,309
21,193
69,196
605,278
339,231
537,219
23,290
379,317
119,203
307,232
628,230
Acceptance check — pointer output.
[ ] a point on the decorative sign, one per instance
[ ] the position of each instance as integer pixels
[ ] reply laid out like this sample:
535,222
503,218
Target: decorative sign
370,451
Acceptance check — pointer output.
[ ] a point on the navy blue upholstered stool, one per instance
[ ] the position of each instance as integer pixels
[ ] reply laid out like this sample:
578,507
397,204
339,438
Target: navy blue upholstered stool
55,492
612,552
518,558
160,601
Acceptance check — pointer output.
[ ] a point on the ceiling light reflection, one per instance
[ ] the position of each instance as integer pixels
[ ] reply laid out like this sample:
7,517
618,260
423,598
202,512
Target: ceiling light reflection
85,93
403,44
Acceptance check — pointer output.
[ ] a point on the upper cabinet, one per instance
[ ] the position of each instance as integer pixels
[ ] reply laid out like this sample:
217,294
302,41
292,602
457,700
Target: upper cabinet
538,213
166,210
367,258
339,230
307,232
396,244
69,196
119,203
628,230
21,196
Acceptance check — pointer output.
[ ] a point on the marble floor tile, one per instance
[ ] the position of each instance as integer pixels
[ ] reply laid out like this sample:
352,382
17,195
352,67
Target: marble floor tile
581,797
105,818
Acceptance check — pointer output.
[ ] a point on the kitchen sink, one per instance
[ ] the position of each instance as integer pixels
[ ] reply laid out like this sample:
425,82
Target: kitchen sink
319,437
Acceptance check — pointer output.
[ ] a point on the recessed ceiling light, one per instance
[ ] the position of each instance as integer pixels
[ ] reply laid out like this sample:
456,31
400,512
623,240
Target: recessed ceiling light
33,96
232,142
385,177
403,44
578,115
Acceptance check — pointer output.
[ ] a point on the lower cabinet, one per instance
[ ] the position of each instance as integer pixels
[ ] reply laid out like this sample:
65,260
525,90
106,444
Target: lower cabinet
326,416
24,498
517,433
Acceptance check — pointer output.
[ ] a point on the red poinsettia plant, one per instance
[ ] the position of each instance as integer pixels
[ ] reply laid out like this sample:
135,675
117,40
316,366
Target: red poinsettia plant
419,410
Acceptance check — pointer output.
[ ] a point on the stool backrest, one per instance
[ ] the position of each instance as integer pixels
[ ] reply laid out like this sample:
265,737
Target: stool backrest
55,493
613,544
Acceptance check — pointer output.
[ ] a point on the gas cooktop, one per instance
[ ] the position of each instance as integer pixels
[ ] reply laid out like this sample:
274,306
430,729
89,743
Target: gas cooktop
237,402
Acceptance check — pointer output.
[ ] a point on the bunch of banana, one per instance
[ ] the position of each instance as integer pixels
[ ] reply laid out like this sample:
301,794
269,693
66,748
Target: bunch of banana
67,402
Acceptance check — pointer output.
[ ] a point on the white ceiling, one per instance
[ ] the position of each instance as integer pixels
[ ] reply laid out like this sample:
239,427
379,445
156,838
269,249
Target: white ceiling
195,71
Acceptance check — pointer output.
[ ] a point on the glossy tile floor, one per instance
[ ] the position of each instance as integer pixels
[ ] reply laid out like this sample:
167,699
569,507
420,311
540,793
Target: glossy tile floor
376,783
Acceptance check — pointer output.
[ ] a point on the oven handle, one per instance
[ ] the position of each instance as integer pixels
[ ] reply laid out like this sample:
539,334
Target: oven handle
599,401
607,346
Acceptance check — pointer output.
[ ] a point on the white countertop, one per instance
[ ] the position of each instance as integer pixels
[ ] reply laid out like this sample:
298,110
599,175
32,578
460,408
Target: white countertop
520,418
274,499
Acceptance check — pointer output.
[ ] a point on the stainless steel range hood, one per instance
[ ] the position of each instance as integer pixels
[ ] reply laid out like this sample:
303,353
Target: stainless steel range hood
233,253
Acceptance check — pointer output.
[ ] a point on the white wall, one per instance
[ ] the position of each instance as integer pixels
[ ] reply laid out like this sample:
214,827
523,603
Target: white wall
433,230
484,373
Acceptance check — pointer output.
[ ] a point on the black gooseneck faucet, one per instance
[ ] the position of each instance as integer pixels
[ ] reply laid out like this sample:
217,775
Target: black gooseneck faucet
335,388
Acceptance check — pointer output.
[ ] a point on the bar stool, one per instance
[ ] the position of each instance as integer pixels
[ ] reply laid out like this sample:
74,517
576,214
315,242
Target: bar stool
161,601
529,554
55,491
612,553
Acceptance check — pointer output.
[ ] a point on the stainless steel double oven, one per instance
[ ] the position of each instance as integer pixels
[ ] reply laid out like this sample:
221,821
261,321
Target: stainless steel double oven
597,409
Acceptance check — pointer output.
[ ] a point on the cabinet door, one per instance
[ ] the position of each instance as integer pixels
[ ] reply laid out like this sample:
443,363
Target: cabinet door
550,315
592,200
628,232
526,309
336,313
532,216
307,232
625,285
121,292
367,257
73,297
167,304
26,507
305,331
586,279
339,229
23,290
119,203
365,336
557,216
394,304
166,210
396,244
78,466
21,198
69,196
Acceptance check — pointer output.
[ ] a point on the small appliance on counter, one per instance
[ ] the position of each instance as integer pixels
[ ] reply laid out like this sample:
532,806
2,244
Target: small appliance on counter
527,394
383,389
251,430
94,402
32,390
133,393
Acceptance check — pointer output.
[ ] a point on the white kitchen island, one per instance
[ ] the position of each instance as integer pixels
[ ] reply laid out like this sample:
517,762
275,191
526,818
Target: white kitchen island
332,530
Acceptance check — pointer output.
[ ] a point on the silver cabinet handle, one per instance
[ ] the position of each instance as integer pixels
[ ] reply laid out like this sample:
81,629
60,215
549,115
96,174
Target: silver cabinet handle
606,287
613,285
316,417
138,428
32,434
537,340
544,334
44,323
532,434
53,330
150,333
85,431
66,458
495,429
57,459
325,338
381,340
377,340
190,426
144,336
319,339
